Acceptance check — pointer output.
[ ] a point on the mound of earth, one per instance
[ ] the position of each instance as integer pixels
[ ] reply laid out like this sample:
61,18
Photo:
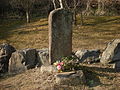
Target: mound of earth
98,77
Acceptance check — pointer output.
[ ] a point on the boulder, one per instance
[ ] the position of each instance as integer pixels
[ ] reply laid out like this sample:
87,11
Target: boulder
43,57
88,56
5,53
30,57
6,49
22,60
111,53
117,66
3,64
17,62
71,78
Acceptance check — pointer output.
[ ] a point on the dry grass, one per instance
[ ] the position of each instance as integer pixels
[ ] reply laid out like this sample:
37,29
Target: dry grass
33,35
95,34
97,77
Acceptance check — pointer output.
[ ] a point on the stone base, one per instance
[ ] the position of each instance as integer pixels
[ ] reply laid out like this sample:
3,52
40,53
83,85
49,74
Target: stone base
71,78
49,68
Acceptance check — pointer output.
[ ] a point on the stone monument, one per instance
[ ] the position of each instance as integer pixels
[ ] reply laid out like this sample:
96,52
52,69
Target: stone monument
60,34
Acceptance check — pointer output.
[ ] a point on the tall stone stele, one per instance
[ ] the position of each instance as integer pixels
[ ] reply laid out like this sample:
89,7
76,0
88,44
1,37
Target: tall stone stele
60,34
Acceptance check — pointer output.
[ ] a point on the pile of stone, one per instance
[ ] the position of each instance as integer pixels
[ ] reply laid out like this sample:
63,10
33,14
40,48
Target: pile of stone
22,60
15,61
111,55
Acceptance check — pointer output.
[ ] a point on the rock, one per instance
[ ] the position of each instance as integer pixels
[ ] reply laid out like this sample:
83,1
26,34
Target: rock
117,66
48,68
43,57
60,34
5,53
22,60
88,56
6,49
3,64
17,62
111,53
30,57
71,78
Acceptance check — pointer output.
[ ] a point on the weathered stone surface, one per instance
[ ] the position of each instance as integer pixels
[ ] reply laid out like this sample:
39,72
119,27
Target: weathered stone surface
43,57
5,53
117,66
6,49
71,78
3,64
60,34
88,56
22,60
48,68
111,53
17,62
30,57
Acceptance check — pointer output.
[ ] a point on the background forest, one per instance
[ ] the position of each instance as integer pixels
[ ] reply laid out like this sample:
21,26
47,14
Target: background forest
21,9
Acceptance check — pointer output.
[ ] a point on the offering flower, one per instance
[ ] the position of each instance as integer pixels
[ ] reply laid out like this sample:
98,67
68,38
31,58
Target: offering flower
61,63
59,67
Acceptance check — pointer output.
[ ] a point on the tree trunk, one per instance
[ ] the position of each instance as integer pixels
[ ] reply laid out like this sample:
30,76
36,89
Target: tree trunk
81,17
101,6
28,16
63,4
88,8
74,17
55,7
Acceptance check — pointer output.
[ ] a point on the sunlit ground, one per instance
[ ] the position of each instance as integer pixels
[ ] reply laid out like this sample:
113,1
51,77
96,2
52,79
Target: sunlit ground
94,34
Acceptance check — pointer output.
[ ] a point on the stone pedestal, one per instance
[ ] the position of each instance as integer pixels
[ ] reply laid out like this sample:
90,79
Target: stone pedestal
71,78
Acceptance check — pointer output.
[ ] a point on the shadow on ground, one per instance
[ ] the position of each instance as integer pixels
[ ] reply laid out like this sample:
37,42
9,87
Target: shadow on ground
102,20
94,74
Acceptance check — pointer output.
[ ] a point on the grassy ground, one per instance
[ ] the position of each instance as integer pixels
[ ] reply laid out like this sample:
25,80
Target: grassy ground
95,34
20,35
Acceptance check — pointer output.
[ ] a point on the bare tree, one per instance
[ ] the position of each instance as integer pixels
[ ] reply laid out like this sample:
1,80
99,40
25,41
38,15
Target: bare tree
74,6
88,11
27,5
3,8
54,3
71,5
63,4
101,7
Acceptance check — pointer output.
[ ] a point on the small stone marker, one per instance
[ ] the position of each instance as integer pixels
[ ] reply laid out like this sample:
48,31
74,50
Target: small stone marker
71,78
60,34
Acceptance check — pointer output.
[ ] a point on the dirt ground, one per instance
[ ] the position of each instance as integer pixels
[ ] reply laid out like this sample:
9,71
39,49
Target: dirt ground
98,77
